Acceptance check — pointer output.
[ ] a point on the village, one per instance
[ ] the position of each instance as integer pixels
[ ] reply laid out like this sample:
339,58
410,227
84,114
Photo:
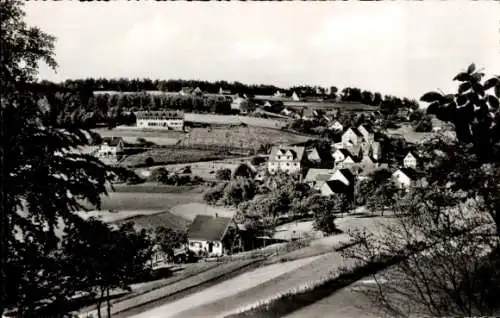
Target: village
351,157
246,160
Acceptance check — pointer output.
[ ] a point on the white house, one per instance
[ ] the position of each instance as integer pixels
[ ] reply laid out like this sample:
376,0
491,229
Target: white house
316,177
110,150
239,103
207,235
313,155
367,133
295,97
410,161
340,155
224,92
288,159
352,136
278,94
170,120
376,151
404,177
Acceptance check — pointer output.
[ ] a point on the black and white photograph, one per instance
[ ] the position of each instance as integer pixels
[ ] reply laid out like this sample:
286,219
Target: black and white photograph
237,159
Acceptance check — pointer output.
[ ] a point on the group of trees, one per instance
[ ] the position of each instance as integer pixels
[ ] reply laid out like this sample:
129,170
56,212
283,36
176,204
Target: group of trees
50,254
163,176
448,232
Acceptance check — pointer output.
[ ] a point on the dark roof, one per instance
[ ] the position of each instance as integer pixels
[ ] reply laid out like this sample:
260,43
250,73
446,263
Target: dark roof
412,174
348,174
337,186
166,114
345,152
356,131
208,228
112,141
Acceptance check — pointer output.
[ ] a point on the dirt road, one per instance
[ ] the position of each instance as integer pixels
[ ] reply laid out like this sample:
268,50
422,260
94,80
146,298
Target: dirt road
225,289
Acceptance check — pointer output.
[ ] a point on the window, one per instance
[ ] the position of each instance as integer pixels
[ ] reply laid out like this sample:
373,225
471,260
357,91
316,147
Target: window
288,157
295,164
288,164
279,157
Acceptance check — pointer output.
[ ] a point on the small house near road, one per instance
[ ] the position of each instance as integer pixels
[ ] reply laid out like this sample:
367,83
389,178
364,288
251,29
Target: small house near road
405,177
211,236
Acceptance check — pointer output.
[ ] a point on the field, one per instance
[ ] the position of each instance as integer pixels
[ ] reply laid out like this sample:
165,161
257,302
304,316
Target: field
410,135
325,105
190,210
130,135
162,156
204,169
234,120
244,137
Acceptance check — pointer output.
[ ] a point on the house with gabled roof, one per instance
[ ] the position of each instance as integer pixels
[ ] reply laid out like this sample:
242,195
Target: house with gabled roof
295,97
352,136
208,235
288,159
185,91
367,133
410,160
110,150
340,155
345,176
333,187
405,177
316,177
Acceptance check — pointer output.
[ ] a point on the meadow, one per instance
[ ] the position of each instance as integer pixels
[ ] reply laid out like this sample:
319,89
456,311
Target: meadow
234,120
163,156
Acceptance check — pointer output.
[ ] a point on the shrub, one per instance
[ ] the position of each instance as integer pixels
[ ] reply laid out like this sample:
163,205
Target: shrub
223,174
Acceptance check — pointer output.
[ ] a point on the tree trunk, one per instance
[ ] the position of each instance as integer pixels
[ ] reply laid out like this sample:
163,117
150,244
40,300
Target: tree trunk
108,303
99,302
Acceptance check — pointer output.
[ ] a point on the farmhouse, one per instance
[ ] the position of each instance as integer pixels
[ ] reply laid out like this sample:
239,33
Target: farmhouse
212,236
404,177
345,176
352,136
240,104
340,155
367,133
313,156
316,177
295,97
173,120
288,159
110,150
332,187
410,161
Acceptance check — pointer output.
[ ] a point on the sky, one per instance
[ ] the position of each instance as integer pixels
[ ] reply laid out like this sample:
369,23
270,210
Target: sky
400,48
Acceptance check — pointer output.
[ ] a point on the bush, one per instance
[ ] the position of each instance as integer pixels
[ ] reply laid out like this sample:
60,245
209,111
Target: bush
223,174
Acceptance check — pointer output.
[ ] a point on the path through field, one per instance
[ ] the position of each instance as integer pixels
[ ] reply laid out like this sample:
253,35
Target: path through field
224,289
